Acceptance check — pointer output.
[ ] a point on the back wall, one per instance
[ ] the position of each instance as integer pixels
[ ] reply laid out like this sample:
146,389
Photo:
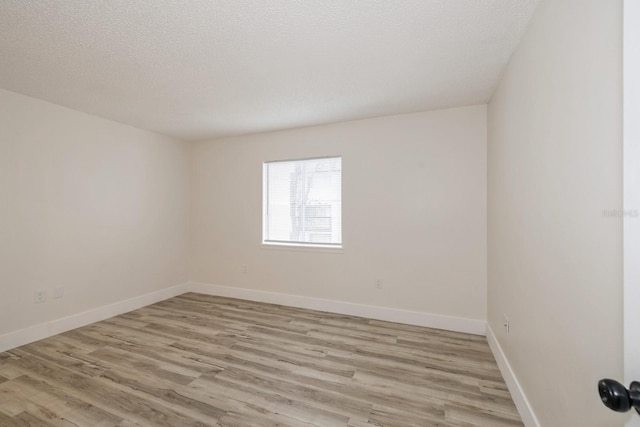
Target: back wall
414,213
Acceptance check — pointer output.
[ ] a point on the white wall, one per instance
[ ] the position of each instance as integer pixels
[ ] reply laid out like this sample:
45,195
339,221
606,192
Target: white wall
91,205
414,213
554,162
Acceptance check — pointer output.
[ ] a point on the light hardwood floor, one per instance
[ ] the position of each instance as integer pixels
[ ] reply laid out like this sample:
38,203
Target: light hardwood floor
197,360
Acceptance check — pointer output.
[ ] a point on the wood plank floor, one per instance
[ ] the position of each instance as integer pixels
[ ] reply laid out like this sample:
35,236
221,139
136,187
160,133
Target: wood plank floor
197,360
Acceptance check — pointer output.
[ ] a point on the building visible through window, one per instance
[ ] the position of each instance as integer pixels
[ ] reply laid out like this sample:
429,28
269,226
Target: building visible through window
303,202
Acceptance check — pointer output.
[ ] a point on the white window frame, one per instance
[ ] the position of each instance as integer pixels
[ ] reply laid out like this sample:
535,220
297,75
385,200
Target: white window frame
332,247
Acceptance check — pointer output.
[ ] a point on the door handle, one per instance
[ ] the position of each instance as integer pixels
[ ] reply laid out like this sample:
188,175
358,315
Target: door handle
617,397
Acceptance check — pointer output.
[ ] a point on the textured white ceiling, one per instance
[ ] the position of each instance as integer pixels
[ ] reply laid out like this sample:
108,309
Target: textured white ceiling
202,69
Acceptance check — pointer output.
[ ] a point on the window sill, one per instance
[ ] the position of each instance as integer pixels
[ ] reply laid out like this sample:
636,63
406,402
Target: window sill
302,247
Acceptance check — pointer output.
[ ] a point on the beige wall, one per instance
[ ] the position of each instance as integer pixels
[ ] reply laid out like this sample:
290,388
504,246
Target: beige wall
414,213
94,206
554,161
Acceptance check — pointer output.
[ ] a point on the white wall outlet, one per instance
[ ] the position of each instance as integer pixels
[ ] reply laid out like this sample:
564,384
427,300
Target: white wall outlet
245,269
58,292
378,284
505,324
39,296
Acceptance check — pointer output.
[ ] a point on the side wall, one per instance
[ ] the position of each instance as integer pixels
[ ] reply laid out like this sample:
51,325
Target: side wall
414,214
554,200
90,205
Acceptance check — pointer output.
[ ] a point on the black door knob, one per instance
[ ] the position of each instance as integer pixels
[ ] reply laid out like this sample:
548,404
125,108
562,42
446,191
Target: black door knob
617,397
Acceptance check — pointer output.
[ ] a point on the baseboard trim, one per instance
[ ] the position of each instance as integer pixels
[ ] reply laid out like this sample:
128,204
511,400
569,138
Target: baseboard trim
44,330
417,318
517,393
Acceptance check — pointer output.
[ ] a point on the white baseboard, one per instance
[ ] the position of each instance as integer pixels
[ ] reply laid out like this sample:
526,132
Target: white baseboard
517,393
451,323
44,330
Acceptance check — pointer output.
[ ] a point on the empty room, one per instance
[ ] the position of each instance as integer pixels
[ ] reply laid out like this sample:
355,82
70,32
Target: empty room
319,213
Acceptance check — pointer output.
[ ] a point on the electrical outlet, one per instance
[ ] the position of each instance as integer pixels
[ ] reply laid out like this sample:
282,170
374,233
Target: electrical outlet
58,292
39,296
505,323
245,269
378,284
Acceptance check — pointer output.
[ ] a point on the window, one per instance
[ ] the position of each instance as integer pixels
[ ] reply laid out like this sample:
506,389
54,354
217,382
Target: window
303,202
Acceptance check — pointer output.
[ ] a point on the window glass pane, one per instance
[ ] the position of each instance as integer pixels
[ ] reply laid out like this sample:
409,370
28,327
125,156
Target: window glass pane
303,201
